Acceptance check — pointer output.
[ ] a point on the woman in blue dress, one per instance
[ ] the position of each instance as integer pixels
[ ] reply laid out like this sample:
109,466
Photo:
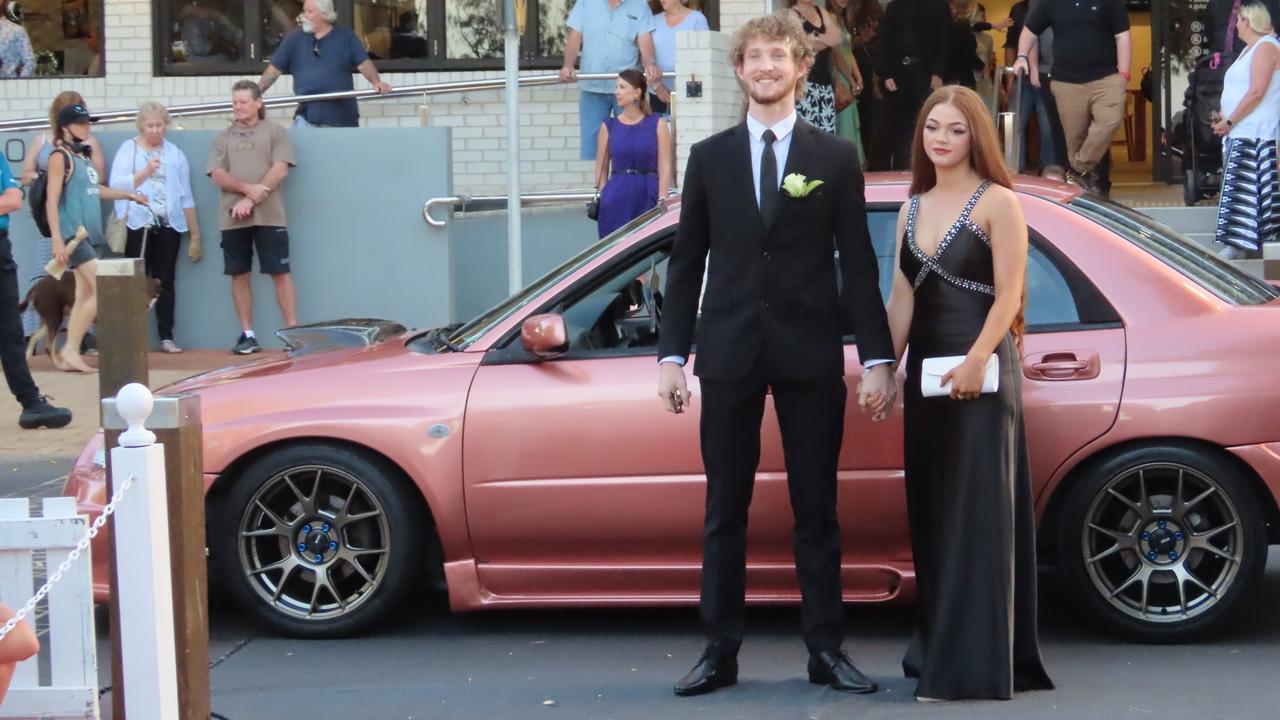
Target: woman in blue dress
633,156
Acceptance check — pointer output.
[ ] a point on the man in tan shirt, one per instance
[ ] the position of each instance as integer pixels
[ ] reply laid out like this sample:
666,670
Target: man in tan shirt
248,162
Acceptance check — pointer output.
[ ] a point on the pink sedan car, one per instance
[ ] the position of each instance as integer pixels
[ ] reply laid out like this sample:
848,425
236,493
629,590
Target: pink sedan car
523,459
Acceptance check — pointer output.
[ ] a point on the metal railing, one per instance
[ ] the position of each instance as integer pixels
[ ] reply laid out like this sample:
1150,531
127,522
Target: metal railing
481,203
1007,122
218,108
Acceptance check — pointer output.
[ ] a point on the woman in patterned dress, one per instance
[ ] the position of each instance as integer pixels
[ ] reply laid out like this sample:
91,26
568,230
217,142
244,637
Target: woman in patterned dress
1248,214
818,107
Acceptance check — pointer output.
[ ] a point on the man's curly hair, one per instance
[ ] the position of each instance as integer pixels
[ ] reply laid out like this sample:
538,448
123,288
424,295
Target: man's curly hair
781,26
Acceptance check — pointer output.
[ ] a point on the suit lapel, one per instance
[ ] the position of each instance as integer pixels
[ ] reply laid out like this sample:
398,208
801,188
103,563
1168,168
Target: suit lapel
797,159
741,153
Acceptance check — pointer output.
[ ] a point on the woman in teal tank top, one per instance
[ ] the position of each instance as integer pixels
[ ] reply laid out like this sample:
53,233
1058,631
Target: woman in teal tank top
75,202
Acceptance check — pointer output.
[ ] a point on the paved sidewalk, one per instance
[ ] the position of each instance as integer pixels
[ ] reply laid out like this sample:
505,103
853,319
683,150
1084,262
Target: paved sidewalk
80,393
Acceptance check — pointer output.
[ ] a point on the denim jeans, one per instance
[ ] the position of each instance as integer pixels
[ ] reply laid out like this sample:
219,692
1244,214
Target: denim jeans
593,109
1031,100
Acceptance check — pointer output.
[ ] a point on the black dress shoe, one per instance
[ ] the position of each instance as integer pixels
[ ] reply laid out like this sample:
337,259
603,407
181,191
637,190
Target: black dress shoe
41,414
708,675
834,668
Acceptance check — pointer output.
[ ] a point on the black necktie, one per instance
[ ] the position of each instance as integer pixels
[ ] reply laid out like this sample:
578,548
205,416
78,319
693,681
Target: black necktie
768,178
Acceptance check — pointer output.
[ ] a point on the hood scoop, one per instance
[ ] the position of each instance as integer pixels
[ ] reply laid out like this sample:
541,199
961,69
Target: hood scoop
337,334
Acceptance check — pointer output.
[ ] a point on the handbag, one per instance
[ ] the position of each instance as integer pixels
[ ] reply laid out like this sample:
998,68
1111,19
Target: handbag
117,228
933,369
844,95
593,206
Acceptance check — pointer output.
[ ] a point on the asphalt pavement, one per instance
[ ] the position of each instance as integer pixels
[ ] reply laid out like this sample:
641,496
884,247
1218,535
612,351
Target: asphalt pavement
597,664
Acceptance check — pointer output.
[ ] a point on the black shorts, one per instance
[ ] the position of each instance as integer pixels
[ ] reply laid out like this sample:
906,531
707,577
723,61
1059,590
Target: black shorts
272,244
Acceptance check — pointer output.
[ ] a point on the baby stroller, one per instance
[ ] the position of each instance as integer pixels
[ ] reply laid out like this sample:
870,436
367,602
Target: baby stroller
1193,136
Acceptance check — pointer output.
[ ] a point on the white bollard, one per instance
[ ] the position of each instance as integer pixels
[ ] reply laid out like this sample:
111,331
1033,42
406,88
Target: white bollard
142,547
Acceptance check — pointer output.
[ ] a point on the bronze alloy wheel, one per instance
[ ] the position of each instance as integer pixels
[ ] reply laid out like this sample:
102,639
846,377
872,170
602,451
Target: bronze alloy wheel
314,542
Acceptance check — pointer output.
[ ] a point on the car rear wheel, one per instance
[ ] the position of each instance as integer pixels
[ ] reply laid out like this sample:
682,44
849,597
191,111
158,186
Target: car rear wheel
1162,543
319,541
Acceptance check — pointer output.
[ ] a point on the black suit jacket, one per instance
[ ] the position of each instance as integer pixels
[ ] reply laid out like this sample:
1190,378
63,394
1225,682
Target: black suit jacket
771,299
915,29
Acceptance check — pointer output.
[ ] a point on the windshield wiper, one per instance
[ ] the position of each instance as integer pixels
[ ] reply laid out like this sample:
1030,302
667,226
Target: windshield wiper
443,341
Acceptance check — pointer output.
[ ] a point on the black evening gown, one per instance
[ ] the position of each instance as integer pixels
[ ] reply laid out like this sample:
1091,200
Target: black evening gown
968,487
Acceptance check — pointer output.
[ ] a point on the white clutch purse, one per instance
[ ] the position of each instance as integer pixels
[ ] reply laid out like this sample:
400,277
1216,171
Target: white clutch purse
932,370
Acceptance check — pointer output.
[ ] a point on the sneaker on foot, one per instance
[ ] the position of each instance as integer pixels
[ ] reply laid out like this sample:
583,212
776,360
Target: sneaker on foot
246,346
41,414
1088,180
169,346
1231,252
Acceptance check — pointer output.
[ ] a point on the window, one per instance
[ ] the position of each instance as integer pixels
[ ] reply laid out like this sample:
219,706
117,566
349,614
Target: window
1059,297
236,37
51,38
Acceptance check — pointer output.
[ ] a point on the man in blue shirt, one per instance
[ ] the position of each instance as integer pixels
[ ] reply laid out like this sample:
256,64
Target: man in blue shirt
321,58
613,35
36,410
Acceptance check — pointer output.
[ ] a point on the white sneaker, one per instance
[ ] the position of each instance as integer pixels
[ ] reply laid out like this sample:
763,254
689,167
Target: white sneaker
1230,252
168,346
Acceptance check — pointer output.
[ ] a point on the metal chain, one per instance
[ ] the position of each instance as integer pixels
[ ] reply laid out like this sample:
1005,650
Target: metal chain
71,557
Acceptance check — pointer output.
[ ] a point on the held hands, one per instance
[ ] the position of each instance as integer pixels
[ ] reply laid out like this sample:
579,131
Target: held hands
877,391
257,193
243,209
965,379
672,387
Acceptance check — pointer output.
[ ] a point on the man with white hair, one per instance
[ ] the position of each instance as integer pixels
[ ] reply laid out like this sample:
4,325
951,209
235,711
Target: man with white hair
321,58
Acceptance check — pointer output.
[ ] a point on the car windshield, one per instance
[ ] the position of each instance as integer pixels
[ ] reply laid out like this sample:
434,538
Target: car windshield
472,331
1187,257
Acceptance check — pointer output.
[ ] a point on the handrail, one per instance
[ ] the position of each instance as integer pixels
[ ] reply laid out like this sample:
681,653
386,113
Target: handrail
198,109
481,203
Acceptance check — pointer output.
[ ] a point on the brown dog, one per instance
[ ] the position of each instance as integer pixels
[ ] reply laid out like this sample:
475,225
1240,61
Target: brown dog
52,299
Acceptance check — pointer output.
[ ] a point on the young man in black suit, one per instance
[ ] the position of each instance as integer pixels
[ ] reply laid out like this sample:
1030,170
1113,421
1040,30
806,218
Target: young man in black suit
772,319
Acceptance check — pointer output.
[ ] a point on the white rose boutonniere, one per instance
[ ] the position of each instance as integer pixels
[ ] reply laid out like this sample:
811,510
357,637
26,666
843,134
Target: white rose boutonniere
798,186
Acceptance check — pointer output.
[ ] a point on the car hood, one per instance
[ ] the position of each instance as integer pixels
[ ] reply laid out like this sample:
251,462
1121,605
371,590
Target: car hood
313,354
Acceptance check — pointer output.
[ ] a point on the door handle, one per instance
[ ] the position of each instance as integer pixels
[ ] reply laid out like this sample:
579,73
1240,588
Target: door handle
1060,366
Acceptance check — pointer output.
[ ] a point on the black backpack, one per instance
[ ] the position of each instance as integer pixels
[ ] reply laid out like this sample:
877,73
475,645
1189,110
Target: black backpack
38,194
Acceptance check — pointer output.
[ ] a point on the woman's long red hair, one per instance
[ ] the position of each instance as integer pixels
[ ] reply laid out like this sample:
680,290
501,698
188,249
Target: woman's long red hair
984,157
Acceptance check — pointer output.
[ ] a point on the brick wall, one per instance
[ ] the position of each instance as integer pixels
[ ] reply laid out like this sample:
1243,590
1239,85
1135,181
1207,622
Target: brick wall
549,130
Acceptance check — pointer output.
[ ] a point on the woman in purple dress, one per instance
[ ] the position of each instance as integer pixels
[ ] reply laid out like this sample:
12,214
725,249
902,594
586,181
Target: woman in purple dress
633,156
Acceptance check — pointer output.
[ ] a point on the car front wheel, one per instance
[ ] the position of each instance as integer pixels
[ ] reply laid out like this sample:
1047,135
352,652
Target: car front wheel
1161,543
319,541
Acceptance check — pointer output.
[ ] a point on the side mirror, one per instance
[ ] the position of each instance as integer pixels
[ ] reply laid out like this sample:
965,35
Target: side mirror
545,336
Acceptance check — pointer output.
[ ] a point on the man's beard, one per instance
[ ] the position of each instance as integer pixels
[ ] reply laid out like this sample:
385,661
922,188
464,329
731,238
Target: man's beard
308,28
779,93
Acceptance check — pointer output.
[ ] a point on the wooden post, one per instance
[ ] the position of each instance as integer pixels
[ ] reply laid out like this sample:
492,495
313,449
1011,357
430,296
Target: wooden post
176,422
122,359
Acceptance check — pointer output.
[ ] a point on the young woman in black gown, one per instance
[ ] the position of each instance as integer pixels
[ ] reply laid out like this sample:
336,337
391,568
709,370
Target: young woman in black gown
959,291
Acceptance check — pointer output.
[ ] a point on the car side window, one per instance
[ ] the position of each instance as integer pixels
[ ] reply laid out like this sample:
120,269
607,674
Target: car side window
1050,300
621,314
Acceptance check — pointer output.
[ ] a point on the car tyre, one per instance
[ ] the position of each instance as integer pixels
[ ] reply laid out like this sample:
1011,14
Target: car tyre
1126,540
318,541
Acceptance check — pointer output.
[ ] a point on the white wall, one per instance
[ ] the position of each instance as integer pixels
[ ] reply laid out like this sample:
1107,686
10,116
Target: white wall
549,130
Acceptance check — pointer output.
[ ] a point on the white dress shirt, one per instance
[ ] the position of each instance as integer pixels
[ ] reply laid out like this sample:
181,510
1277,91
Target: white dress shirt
782,131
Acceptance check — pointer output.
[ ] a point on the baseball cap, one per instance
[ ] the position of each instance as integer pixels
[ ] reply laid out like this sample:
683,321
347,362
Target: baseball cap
72,114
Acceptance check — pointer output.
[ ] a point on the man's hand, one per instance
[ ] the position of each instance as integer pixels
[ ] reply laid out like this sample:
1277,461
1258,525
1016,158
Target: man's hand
1021,66
672,388
877,391
382,87
257,193
935,82
890,85
568,74
243,209
652,73
1035,80
195,248
1004,24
